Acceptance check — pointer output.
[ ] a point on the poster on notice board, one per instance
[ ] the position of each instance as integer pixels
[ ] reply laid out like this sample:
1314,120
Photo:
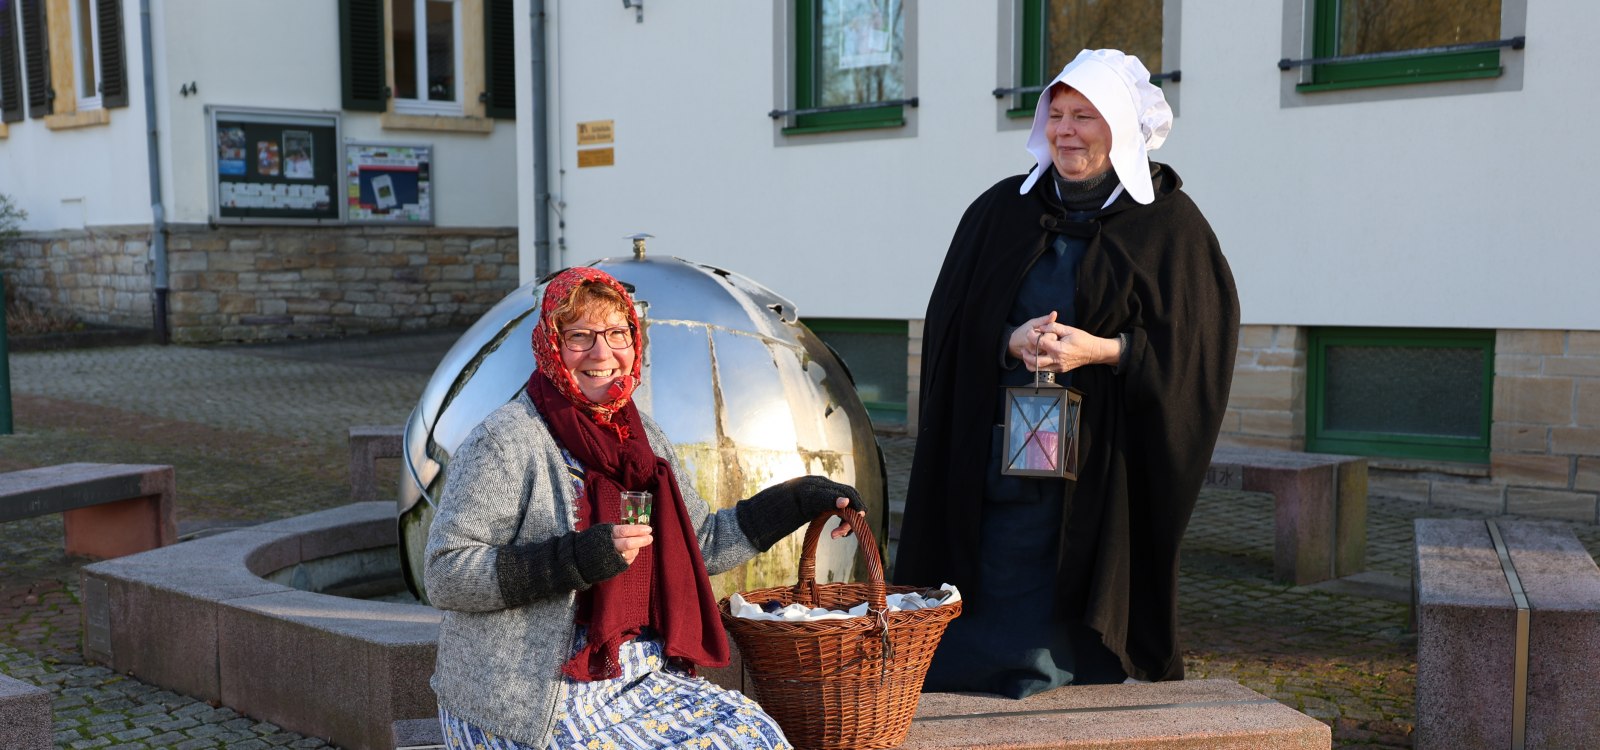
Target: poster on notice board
274,166
388,183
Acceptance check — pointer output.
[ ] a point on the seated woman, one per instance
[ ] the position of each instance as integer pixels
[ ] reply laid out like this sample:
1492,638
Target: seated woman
563,624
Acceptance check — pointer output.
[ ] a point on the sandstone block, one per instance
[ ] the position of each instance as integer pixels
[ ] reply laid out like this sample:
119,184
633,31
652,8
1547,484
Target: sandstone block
1587,475
1535,400
1518,364
1571,506
1579,441
1275,390
1529,342
1255,337
1583,343
1585,367
1484,498
1535,470
1519,438
1398,486
1588,408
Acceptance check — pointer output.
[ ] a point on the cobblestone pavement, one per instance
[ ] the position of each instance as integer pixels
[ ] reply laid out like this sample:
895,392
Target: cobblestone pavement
258,433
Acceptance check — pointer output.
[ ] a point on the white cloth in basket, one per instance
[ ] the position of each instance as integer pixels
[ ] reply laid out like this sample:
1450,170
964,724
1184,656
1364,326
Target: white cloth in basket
801,613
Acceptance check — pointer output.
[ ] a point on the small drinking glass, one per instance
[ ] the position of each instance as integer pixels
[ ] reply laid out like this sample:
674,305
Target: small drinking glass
636,507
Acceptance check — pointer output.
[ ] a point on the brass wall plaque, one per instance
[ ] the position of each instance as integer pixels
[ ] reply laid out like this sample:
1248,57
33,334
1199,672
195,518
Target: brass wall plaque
597,157
596,132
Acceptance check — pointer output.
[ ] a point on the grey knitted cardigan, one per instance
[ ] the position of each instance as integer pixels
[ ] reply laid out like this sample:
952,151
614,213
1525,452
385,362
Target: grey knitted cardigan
500,668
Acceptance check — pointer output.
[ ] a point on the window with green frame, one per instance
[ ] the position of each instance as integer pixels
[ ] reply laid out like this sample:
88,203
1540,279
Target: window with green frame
848,53
1055,31
1406,393
1358,27
875,353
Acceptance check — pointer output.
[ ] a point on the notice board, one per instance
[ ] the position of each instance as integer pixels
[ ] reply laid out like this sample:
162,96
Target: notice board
389,183
274,166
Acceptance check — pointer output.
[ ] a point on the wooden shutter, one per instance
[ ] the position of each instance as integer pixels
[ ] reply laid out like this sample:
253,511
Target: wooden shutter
113,61
361,43
36,58
500,58
10,66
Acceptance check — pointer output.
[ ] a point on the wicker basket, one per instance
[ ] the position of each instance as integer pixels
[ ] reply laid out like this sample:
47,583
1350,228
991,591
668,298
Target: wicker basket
834,684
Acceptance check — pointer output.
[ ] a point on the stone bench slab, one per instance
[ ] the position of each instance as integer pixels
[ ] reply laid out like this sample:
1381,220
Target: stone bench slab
1191,715
1474,640
368,444
1212,714
109,510
1320,507
25,716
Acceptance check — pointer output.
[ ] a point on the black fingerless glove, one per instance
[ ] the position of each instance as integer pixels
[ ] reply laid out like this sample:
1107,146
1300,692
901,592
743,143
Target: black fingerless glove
571,562
777,511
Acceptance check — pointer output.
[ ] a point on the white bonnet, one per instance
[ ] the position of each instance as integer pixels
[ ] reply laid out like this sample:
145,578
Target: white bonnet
1119,86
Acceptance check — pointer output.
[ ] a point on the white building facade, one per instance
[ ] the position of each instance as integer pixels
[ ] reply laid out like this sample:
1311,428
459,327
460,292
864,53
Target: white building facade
1399,188
278,236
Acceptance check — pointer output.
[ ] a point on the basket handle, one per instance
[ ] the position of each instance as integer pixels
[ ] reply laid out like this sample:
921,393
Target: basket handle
805,589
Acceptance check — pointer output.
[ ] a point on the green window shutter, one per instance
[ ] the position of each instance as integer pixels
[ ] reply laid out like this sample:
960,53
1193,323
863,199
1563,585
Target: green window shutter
36,57
113,60
10,67
500,58
361,55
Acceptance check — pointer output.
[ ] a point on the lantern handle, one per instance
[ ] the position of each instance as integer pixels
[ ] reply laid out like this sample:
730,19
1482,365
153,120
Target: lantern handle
1040,377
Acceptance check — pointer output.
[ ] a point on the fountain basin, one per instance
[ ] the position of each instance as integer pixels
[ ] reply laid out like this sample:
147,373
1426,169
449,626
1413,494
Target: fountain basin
203,619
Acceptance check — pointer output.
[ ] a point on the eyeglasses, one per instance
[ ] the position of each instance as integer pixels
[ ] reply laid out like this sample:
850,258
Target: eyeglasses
582,339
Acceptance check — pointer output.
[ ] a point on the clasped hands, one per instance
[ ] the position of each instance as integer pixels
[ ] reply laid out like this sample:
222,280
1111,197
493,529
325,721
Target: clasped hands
1044,345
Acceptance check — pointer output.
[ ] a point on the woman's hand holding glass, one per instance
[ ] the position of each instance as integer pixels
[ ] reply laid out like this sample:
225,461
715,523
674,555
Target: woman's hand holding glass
1043,345
629,538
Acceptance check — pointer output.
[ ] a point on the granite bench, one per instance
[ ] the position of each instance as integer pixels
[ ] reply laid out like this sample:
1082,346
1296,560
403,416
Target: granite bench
24,716
1212,714
110,510
1508,636
368,443
1320,507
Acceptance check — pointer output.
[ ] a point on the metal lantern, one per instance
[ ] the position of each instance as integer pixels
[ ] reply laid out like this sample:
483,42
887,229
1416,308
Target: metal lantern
1041,429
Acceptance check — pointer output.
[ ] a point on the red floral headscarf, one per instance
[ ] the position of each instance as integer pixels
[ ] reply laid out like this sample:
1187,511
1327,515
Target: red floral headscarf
547,348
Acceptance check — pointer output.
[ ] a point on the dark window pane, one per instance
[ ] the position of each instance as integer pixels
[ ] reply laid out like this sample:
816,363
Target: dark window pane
1133,26
87,70
441,51
877,361
1387,25
860,45
1405,390
403,14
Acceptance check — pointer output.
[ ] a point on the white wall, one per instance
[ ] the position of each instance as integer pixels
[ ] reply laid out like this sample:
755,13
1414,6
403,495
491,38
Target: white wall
90,176
284,54
1448,211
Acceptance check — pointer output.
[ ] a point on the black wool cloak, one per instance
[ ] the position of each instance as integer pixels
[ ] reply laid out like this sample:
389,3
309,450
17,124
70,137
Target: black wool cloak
1154,272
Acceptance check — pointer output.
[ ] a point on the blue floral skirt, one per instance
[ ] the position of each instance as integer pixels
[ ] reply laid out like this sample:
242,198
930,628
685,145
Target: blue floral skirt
650,705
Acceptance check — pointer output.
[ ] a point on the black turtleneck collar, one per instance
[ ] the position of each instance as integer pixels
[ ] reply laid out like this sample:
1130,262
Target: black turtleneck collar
1085,195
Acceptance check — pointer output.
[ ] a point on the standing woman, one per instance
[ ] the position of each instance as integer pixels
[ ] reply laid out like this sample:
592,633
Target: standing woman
565,626
1097,265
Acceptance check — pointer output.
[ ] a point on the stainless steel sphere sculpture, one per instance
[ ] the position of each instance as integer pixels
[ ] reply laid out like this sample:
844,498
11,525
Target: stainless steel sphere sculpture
746,392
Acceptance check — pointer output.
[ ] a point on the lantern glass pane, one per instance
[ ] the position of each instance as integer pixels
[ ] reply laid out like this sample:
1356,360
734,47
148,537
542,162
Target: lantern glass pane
1035,429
